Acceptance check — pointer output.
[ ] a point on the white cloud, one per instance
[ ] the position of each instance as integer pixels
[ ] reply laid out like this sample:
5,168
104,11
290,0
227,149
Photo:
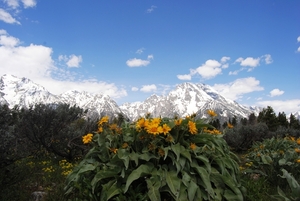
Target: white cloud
8,41
139,62
225,59
238,88
29,3
286,106
12,3
140,51
276,92
298,39
74,61
210,69
134,89
268,59
249,61
184,77
151,9
71,61
7,18
298,50
35,62
150,57
148,88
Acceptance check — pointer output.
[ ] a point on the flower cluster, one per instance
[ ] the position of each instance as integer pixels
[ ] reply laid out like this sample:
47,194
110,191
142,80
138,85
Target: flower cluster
66,167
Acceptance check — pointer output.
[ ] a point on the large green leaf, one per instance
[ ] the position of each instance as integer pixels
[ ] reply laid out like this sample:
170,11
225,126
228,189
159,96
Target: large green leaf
109,190
123,154
153,185
102,174
176,148
202,172
173,182
141,171
192,190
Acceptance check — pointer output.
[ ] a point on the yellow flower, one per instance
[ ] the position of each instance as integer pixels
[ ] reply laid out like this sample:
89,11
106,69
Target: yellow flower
87,138
192,127
154,129
293,138
125,145
298,141
211,113
165,129
297,150
161,152
100,129
229,125
298,161
193,146
103,120
114,150
156,121
178,122
140,123
113,126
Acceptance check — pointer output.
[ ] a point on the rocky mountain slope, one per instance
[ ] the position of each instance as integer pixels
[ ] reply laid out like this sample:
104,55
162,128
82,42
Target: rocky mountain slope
186,99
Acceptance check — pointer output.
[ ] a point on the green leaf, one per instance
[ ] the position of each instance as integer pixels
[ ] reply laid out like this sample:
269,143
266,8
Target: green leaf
124,156
176,149
266,159
135,157
113,190
173,182
192,190
153,185
282,161
102,174
142,170
202,172
185,153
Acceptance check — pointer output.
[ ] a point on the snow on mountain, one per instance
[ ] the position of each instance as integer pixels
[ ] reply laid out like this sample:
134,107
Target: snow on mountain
185,99
23,92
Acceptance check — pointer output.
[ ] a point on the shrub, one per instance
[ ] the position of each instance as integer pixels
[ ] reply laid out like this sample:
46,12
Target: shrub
242,137
156,159
271,155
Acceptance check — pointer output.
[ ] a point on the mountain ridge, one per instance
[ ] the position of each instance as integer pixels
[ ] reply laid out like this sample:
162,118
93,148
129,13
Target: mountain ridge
187,98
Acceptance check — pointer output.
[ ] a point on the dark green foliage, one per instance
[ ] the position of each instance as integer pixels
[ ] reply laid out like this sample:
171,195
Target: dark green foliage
241,138
268,116
56,129
252,119
282,120
294,123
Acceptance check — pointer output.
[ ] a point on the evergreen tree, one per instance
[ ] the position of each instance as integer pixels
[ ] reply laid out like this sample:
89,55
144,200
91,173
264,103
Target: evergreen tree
252,119
294,122
244,121
282,120
268,116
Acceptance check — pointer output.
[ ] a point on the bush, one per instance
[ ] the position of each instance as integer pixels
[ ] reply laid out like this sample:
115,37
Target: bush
242,137
156,159
272,155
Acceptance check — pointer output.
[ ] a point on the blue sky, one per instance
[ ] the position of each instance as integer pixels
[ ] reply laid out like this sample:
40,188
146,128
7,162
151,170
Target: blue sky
249,50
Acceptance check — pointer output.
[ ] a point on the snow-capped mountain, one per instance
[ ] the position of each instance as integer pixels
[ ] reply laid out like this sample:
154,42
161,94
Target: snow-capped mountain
186,99
23,92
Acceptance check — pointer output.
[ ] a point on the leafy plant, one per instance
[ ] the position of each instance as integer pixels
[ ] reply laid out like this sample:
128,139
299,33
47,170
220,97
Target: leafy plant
294,187
156,159
271,155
